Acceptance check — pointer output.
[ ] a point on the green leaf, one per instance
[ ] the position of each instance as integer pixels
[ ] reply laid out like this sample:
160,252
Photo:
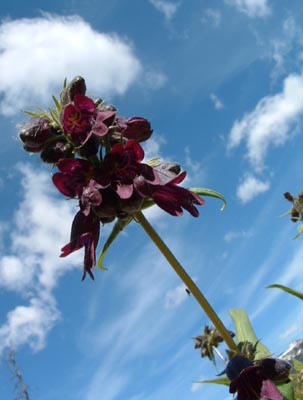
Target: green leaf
211,193
218,381
57,104
288,290
287,390
117,228
245,332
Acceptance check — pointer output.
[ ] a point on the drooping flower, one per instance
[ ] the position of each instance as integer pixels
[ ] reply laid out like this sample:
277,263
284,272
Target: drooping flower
84,233
170,197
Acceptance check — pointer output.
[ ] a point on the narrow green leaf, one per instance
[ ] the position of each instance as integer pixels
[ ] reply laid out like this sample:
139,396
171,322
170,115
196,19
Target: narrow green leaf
54,116
211,193
117,228
217,381
288,290
57,104
285,214
245,332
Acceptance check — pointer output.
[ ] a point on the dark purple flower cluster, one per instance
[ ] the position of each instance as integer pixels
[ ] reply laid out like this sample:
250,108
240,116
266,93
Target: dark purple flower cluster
100,162
255,381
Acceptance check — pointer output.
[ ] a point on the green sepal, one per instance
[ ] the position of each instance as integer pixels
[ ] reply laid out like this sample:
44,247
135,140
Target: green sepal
285,214
287,289
245,332
37,114
300,231
117,228
147,202
218,381
211,193
287,390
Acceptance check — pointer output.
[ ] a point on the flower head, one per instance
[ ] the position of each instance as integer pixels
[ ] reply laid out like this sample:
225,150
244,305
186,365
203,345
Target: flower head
101,164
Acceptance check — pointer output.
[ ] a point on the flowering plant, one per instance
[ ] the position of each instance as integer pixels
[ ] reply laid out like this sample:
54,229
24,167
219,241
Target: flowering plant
100,162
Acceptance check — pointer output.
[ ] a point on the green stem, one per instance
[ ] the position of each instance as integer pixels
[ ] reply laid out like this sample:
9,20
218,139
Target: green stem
190,284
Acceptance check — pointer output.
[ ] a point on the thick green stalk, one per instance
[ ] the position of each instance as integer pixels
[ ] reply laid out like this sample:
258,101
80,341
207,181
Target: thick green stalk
190,284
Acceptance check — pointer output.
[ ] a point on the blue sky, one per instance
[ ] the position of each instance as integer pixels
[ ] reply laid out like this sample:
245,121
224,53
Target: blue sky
222,83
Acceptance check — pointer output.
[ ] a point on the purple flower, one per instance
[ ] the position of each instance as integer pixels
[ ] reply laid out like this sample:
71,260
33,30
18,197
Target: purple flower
73,177
78,117
170,197
102,122
91,196
123,165
84,233
253,382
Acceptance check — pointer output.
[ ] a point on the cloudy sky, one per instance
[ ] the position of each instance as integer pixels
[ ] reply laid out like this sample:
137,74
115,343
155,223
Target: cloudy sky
222,83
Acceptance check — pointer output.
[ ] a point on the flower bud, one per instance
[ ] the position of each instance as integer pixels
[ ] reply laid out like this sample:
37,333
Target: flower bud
134,128
76,86
236,365
55,150
89,148
34,133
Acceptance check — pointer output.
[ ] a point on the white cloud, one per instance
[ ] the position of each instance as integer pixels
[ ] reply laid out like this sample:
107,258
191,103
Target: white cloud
251,187
154,79
232,235
295,327
216,101
271,122
29,324
291,36
34,64
212,16
175,297
252,8
165,7
31,265
196,386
